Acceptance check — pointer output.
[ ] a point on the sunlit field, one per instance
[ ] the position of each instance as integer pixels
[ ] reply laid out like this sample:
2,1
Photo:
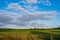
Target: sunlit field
29,34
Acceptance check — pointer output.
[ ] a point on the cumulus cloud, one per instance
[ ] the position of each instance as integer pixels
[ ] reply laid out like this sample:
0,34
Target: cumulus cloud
31,15
38,16
9,17
16,7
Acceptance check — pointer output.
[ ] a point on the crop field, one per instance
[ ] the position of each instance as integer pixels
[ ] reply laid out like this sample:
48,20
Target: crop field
29,34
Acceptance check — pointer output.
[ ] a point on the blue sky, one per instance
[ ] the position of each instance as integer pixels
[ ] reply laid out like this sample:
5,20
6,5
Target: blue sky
29,13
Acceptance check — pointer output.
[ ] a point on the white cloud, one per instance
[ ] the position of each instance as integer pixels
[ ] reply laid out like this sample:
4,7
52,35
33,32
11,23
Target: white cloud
9,17
38,25
32,15
31,8
28,1
43,2
28,4
17,7
31,1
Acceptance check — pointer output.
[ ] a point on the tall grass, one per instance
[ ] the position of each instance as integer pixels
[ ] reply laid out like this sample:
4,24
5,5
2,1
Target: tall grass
7,34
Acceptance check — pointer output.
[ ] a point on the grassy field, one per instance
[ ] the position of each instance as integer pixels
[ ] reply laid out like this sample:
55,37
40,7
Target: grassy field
29,34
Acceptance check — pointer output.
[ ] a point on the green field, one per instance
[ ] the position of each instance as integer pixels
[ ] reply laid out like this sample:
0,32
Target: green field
29,34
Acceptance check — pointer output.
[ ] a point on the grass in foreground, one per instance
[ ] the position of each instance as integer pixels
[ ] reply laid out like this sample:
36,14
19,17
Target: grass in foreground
29,34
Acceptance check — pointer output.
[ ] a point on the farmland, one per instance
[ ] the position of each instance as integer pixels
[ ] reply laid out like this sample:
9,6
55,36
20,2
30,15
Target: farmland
29,34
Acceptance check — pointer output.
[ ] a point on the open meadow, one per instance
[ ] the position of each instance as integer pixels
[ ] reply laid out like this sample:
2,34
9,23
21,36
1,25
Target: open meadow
29,34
